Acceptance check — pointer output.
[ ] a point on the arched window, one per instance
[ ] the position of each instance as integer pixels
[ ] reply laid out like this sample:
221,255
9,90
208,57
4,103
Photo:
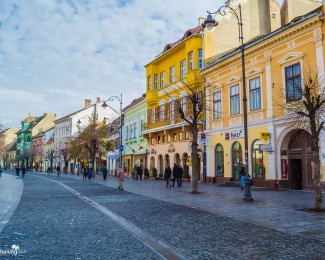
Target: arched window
258,168
219,170
236,160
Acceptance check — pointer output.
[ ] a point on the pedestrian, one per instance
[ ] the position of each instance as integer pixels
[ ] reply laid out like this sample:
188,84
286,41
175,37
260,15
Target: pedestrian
23,171
180,176
17,170
104,173
89,173
48,170
120,176
139,170
135,172
84,173
0,171
168,173
175,174
242,176
58,170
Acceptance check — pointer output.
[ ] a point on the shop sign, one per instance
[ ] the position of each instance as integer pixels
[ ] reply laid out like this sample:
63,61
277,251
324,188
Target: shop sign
266,147
284,172
171,149
265,135
234,135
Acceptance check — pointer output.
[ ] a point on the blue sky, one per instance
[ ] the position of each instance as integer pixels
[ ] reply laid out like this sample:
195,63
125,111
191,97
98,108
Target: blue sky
56,53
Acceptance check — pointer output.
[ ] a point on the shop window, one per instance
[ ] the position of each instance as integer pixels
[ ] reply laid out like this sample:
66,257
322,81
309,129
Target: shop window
236,160
258,161
219,157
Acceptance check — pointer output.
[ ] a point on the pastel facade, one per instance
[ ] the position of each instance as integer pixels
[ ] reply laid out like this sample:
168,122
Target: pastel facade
135,145
279,151
170,78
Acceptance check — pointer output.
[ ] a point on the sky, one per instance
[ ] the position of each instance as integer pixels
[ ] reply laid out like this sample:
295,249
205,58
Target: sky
54,54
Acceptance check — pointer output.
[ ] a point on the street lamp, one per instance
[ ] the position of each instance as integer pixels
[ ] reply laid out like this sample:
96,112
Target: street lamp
104,105
209,23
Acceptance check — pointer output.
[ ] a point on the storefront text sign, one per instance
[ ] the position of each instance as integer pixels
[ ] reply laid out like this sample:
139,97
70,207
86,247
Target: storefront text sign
171,149
234,135
265,135
284,168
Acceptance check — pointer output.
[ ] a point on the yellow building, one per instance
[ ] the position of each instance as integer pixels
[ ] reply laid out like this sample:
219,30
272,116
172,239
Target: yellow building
279,153
170,78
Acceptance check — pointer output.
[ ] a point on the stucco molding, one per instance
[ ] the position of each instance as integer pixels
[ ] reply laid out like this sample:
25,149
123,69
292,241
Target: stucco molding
232,79
253,71
291,56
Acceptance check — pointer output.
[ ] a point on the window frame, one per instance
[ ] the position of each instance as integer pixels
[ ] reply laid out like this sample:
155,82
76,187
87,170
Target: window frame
217,113
200,59
190,61
162,79
155,84
172,75
183,69
234,97
149,83
292,78
253,92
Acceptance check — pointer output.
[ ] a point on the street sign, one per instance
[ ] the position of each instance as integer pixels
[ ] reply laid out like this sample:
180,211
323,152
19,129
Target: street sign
121,147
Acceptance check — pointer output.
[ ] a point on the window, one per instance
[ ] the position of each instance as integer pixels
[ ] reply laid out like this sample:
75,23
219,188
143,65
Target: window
181,136
175,137
200,60
172,74
169,138
183,104
217,105
127,132
190,61
187,135
155,78
141,127
183,69
255,93
153,115
219,161
293,82
135,130
152,140
149,83
162,79
158,139
162,113
258,160
234,100
131,131
171,109
163,139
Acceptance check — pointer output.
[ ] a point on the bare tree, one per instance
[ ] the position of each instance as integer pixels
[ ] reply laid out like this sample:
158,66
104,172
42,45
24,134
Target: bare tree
305,107
49,155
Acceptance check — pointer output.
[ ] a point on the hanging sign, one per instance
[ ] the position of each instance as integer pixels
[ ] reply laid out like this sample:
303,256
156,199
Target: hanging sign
284,172
265,135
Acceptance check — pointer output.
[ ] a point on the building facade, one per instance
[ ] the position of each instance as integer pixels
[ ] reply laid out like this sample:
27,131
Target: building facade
135,145
279,151
7,137
171,77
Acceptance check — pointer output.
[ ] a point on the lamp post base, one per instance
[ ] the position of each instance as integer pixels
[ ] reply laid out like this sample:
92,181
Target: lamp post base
247,196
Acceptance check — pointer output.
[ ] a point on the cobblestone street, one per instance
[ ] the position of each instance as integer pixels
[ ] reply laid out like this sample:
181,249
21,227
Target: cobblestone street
68,218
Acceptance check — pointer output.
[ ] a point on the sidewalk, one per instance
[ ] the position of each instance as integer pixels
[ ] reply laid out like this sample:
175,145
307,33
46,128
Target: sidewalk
279,210
11,189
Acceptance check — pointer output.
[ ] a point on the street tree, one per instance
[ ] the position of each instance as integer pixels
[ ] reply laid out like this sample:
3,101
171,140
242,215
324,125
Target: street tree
93,138
191,109
307,110
50,155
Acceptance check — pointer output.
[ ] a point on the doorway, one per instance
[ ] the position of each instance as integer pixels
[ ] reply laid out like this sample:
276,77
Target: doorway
296,174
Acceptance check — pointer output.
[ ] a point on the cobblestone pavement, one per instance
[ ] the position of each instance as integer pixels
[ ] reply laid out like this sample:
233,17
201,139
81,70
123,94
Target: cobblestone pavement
68,218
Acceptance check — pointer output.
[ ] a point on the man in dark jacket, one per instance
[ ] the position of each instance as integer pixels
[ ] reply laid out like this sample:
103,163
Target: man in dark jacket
168,173
104,173
175,174
180,176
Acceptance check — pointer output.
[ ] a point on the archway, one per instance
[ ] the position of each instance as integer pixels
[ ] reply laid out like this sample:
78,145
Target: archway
160,165
152,163
300,161
236,160
219,161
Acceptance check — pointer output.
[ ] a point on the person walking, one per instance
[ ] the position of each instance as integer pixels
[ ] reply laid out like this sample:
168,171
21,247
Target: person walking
23,171
139,170
0,171
89,171
175,174
84,173
180,176
135,172
242,176
58,170
120,177
104,173
168,173
17,171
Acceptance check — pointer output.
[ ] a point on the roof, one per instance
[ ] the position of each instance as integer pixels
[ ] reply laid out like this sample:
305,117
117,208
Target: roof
33,123
188,33
135,101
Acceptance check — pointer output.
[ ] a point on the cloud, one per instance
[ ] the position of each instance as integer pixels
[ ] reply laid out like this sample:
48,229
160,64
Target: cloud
54,54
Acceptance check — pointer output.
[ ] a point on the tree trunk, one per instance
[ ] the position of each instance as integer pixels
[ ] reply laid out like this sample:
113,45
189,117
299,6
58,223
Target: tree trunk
195,170
317,185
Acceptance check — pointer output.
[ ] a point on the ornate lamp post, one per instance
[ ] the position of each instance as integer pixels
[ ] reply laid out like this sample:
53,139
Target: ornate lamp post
104,105
209,23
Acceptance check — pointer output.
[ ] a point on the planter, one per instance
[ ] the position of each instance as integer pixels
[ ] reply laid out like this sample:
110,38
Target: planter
186,179
153,178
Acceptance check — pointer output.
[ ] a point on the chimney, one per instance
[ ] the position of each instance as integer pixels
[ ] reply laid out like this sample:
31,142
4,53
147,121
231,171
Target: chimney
97,100
87,103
